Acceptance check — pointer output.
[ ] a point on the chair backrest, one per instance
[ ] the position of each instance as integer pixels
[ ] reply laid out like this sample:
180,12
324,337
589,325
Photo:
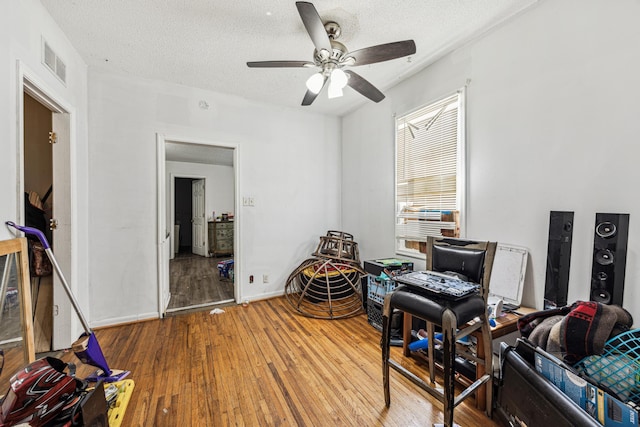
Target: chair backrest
470,258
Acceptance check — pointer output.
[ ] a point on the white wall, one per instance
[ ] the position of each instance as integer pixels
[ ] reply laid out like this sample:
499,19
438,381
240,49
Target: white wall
219,187
288,161
23,24
552,125
552,98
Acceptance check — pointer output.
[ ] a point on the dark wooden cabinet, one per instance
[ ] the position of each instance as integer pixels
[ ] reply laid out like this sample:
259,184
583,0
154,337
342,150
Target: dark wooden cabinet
221,238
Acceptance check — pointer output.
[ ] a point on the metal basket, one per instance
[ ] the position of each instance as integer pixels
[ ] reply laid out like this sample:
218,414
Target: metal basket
618,368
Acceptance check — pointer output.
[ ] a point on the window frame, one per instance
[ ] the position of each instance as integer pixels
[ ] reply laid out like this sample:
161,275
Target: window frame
461,168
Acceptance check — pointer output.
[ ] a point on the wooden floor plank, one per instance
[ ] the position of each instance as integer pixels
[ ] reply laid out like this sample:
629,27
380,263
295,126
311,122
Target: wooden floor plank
264,365
195,279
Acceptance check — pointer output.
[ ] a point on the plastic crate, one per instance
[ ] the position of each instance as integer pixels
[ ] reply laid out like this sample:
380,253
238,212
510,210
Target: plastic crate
377,289
374,317
374,314
618,368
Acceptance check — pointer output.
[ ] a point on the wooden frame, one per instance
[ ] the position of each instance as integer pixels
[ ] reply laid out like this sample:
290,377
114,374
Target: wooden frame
18,248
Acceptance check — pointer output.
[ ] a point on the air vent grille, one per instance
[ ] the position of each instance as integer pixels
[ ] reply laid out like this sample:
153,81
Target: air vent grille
53,62
61,69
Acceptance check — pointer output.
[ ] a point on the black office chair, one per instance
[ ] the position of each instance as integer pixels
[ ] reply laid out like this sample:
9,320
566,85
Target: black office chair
473,261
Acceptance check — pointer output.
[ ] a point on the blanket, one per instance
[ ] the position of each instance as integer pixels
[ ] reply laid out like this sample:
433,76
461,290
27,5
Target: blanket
576,331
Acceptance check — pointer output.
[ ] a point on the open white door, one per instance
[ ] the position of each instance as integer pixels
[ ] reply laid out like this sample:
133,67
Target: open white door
164,234
198,218
63,312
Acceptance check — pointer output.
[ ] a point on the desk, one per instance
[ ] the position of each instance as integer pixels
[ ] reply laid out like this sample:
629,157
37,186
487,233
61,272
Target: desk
505,324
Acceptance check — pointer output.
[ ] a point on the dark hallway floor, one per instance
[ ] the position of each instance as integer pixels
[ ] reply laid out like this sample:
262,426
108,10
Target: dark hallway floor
195,280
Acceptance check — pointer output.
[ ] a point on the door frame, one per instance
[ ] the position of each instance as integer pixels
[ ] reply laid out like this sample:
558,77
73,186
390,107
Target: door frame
172,203
202,219
65,326
163,231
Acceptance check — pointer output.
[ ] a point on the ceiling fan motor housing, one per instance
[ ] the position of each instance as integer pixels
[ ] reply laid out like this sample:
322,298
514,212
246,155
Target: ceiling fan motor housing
333,30
338,51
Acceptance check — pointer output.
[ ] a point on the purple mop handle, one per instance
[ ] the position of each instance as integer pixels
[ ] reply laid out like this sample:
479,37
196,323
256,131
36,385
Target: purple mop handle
56,266
30,230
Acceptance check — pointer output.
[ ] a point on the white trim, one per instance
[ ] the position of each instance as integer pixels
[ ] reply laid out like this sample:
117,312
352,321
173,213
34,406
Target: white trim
461,181
161,227
115,321
29,82
172,201
162,139
266,295
206,304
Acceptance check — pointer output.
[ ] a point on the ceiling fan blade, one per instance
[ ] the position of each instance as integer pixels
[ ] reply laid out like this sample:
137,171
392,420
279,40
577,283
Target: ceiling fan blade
361,85
383,52
279,64
314,25
309,97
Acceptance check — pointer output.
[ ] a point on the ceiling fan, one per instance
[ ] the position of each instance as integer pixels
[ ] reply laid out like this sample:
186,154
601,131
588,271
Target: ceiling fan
331,56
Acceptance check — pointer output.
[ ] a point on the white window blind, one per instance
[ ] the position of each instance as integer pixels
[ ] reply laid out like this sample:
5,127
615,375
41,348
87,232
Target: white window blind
428,149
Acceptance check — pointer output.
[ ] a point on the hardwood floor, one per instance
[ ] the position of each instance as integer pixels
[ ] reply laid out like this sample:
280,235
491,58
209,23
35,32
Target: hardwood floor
263,365
195,280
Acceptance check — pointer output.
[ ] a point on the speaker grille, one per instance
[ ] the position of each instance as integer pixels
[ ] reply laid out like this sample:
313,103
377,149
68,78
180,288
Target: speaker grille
609,258
558,259
606,229
604,257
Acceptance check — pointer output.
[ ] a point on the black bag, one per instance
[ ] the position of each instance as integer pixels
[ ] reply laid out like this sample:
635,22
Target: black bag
34,216
39,263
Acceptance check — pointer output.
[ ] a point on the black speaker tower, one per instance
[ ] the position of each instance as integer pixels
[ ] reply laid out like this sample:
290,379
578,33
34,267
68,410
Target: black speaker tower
556,285
609,258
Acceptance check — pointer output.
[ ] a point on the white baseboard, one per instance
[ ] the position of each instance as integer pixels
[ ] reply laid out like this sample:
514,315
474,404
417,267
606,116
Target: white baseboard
268,295
125,319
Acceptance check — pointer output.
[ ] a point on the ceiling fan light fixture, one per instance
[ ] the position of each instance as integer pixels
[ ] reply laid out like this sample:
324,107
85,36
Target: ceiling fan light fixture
334,91
338,78
315,82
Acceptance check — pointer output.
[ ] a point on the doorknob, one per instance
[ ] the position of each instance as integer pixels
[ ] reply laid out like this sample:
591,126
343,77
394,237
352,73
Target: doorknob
53,224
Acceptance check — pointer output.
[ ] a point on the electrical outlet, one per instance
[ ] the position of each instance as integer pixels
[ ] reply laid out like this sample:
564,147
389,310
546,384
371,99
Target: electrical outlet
251,279
265,278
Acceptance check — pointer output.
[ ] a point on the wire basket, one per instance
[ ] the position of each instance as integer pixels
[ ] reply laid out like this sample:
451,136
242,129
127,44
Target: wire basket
618,368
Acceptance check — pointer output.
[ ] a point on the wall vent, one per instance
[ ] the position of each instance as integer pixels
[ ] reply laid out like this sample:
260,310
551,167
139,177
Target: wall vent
53,62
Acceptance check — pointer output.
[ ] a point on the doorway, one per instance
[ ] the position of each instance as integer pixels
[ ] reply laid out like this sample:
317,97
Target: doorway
189,216
199,226
38,188
44,174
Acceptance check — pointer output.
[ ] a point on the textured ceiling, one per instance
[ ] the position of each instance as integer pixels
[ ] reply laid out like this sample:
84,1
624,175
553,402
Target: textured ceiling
206,43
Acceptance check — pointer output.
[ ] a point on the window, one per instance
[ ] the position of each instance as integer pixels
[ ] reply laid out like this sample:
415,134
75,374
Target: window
429,173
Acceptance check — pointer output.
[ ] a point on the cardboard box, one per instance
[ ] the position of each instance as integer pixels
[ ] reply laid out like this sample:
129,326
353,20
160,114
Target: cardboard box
604,408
